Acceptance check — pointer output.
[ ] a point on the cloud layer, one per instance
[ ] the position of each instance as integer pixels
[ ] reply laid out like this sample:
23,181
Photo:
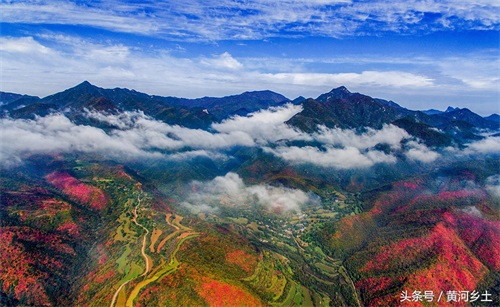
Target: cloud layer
230,191
135,135
345,158
493,185
138,136
489,145
347,149
265,126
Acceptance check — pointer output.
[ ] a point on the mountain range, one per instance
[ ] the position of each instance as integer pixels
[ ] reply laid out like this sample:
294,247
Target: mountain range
112,197
337,108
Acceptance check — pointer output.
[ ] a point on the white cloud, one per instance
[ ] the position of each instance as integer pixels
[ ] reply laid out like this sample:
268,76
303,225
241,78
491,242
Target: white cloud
138,137
489,145
153,134
226,19
472,210
231,191
48,63
258,128
187,155
133,135
420,152
344,158
345,148
66,12
26,45
389,134
108,55
371,78
380,157
55,133
224,61
51,69
266,125
478,72
493,185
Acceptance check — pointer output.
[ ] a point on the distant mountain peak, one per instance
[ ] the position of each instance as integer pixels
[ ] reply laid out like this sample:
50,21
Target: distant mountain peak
336,93
493,117
341,89
451,109
432,112
268,94
85,85
299,100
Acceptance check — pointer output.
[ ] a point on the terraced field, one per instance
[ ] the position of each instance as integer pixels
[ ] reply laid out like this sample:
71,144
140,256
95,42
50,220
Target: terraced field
146,253
274,263
138,277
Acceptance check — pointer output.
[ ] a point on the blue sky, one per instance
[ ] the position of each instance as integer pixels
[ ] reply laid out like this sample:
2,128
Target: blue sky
419,53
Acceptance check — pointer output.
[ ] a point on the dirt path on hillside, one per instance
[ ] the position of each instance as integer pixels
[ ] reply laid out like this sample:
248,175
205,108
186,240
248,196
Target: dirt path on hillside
115,296
151,274
147,259
182,234
143,248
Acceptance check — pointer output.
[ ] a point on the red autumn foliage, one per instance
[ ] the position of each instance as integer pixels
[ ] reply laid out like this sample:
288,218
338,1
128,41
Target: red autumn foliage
438,244
242,259
70,228
482,237
456,267
106,276
78,191
103,254
411,185
20,275
15,267
218,293
160,205
375,284
397,252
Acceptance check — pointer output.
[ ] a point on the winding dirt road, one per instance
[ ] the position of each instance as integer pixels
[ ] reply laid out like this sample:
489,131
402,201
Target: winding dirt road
115,296
181,233
143,252
143,248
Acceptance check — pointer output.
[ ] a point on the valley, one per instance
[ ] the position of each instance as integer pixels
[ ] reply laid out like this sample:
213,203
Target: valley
157,261
290,205
277,235
290,153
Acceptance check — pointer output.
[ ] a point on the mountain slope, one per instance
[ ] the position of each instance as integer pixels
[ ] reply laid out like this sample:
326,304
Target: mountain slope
12,101
7,98
194,113
425,233
75,100
343,109
242,104
494,118
115,208
468,116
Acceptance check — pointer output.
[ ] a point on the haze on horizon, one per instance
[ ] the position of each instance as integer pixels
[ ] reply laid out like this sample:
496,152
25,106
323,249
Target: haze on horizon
420,54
